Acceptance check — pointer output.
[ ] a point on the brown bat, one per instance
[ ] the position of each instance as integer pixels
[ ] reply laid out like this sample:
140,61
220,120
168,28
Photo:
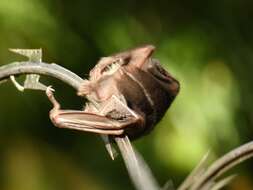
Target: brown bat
128,93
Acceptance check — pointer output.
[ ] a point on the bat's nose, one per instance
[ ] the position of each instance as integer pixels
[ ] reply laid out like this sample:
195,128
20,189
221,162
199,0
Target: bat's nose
146,50
141,54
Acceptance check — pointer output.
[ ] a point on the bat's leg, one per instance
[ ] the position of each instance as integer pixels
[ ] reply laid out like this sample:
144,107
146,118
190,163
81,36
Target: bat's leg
84,121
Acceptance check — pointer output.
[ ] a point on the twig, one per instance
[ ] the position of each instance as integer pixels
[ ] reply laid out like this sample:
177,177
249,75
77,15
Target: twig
223,164
223,182
195,173
138,170
41,68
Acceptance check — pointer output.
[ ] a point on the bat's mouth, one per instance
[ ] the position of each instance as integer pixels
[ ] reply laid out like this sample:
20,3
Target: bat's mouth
154,67
163,77
112,68
159,72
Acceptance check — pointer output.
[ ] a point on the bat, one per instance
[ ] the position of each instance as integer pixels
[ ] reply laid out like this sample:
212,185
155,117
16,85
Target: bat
128,93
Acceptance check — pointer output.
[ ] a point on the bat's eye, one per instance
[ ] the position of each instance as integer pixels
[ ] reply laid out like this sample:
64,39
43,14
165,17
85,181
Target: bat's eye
112,67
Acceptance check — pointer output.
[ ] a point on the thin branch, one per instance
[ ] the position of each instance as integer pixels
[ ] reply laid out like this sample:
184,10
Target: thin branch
138,169
223,182
223,164
41,68
195,173
141,176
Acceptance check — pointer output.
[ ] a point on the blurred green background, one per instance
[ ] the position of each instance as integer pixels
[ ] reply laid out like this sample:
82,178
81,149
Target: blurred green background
206,45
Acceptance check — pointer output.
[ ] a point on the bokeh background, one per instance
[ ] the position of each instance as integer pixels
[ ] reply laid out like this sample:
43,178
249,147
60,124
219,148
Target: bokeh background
206,45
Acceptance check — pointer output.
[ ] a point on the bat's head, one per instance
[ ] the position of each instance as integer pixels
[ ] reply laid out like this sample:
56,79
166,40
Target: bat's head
138,58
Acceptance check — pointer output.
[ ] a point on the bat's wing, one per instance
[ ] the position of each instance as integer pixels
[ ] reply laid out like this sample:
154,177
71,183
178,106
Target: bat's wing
111,119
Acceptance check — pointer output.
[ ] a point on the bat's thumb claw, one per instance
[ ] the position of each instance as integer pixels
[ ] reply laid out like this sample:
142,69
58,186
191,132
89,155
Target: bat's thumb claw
49,90
50,95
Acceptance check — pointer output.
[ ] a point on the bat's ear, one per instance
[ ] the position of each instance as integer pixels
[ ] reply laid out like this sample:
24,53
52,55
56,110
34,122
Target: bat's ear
140,55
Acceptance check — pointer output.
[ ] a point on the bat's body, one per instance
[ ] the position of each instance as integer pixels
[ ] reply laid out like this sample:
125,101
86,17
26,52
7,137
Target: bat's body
128,94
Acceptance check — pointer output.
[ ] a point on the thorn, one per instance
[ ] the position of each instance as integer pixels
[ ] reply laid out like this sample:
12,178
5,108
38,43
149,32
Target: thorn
110,149
34,55
32,80
112,152
16,84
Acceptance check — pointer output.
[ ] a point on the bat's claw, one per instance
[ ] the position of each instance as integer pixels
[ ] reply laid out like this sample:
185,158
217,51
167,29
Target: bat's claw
49,91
